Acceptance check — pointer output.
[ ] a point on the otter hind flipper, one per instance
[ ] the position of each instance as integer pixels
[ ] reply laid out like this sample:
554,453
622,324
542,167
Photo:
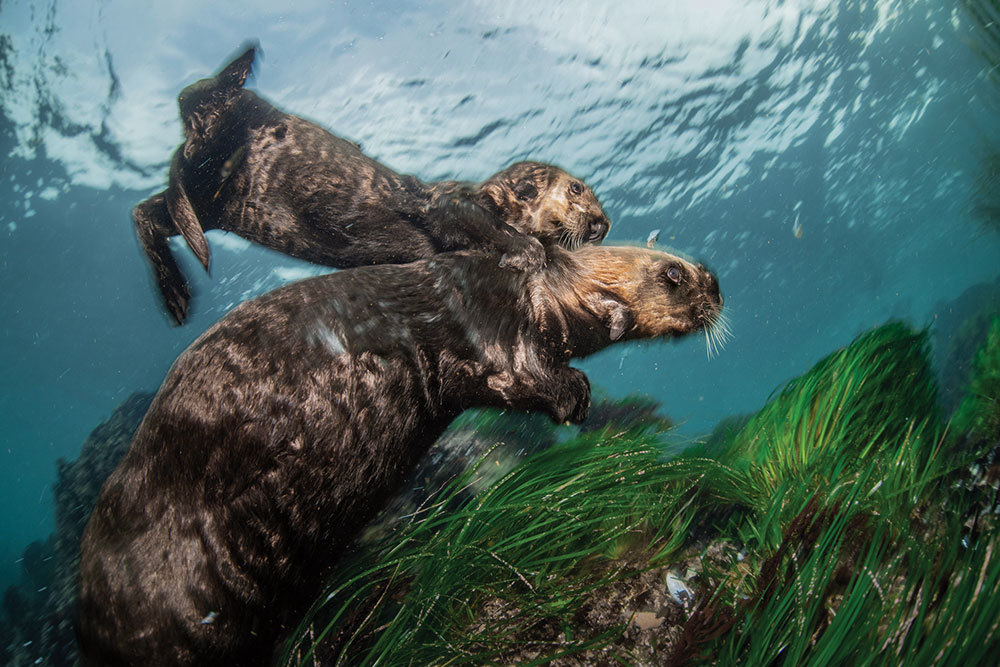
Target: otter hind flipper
201,103
235,74
183,215
153,227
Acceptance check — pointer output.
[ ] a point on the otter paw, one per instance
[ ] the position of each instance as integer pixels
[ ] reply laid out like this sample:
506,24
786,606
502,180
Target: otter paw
572,398
525,254
176,295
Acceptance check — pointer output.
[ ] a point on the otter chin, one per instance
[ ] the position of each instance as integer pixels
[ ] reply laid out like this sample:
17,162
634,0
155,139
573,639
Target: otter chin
279,433
288,184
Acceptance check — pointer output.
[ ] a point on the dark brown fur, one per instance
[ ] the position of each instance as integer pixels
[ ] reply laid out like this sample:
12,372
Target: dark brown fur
288,184
284,428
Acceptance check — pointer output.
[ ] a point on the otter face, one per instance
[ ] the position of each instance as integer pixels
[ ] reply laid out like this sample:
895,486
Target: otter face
637,293
546,202
674,297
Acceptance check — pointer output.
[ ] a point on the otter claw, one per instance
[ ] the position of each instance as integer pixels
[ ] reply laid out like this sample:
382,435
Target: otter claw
573,401
580,411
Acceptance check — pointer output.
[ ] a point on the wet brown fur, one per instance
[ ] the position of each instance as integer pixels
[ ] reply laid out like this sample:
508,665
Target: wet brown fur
284,428
289,184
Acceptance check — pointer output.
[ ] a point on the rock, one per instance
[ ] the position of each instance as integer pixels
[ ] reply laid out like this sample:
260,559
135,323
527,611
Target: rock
37,627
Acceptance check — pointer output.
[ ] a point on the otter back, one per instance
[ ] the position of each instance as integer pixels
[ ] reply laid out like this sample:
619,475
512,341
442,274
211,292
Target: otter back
289,184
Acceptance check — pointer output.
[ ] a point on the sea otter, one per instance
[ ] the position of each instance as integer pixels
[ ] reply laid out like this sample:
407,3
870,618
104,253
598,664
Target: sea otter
289,184
284,428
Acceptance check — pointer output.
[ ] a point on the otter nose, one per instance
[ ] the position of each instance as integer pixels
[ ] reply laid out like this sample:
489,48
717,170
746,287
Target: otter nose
710,285
598,229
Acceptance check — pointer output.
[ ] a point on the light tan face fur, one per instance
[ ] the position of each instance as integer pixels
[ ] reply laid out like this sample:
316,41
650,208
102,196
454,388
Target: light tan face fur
549,204
651,293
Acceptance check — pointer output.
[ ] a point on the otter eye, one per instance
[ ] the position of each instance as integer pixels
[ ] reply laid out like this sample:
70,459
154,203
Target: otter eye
525,191
576,187
674,274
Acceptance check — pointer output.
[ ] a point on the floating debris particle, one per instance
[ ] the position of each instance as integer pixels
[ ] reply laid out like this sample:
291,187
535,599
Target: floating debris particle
653,237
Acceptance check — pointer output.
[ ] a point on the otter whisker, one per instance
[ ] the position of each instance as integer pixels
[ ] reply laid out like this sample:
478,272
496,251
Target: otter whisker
716,341
717,334
570,240
711,350
724,327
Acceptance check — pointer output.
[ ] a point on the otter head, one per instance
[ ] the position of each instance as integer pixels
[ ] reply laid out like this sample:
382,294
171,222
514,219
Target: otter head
546,202
595,296
204,103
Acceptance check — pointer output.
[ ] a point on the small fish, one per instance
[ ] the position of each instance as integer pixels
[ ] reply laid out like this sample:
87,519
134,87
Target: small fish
653,237
797,226
208,620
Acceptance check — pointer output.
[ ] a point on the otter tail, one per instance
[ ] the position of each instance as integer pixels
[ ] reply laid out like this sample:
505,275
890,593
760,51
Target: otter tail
153,226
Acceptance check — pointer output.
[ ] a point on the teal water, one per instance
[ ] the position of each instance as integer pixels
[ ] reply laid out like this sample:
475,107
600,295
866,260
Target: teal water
821,157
